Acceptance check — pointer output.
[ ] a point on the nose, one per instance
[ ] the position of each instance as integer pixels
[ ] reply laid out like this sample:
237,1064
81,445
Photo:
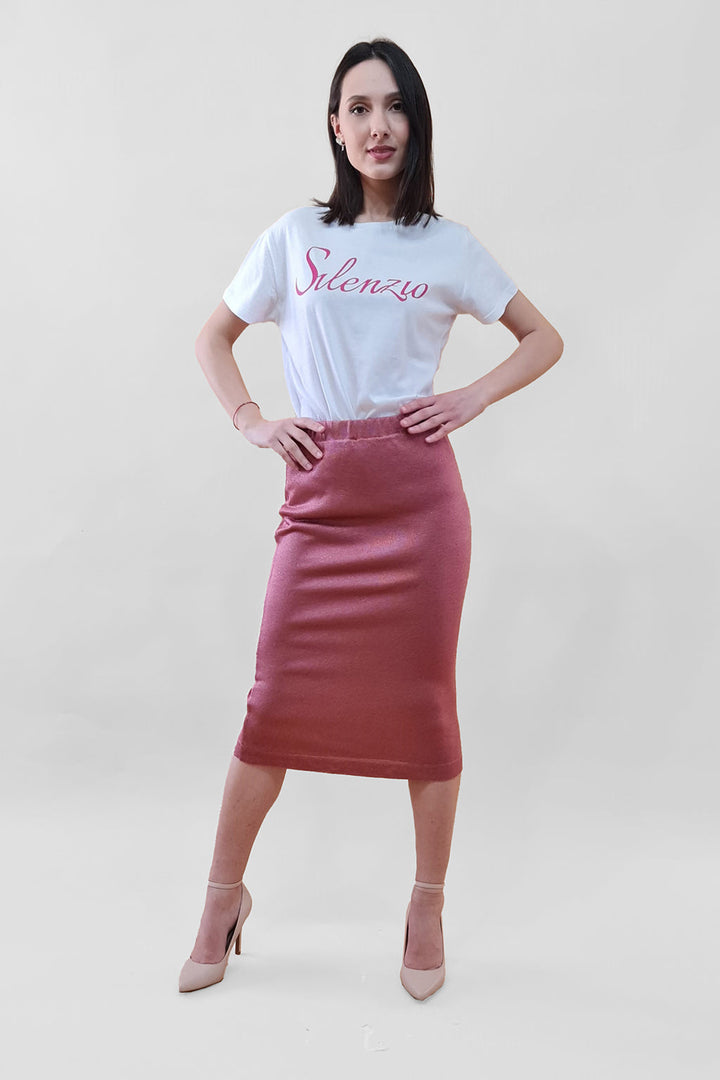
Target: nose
379,124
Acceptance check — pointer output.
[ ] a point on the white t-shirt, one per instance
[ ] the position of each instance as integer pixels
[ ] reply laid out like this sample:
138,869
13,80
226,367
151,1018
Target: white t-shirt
364,310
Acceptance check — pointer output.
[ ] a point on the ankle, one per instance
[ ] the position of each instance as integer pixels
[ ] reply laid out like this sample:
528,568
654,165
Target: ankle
220,899
424,897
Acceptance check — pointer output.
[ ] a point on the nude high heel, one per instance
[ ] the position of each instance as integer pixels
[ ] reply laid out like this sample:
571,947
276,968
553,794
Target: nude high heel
420,983
194,976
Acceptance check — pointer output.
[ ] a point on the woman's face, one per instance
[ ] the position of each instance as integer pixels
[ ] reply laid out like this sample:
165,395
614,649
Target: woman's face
372,115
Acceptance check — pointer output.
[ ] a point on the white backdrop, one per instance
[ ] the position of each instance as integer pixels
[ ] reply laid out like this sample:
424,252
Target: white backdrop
147,145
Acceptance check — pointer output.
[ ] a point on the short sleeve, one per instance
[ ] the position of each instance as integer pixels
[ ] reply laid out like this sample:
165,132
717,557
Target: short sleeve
487,289
252,294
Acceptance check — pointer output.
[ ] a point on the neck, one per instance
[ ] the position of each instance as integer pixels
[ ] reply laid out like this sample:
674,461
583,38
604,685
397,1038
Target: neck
379,199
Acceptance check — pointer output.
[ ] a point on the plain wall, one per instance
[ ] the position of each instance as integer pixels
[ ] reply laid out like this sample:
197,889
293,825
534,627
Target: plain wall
147,146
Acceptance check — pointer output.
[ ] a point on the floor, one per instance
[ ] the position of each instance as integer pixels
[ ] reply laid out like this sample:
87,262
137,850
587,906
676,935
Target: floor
562,961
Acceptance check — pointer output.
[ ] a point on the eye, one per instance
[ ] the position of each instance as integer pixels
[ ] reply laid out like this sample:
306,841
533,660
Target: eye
397,105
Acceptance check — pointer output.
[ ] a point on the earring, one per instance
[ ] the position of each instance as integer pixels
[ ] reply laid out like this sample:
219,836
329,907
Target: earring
341,144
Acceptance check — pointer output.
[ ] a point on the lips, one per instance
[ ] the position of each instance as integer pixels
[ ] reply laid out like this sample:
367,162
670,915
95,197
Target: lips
382,154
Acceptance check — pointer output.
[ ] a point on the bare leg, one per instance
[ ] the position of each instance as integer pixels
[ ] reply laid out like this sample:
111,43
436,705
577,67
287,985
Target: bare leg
250,791
434,803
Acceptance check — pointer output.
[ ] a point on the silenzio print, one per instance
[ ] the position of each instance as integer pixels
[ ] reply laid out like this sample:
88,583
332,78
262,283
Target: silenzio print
338,282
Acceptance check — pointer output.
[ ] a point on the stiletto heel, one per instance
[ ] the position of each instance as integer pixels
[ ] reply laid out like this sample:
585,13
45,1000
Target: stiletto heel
194,975
420,983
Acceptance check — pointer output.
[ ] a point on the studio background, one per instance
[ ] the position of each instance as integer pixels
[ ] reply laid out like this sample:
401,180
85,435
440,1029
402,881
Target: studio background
148,146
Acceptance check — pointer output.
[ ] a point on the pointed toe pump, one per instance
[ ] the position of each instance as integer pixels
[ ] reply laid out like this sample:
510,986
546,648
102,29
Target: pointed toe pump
420,983
195,976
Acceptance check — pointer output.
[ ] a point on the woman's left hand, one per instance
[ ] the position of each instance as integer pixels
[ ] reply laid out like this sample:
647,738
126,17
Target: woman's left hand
443,412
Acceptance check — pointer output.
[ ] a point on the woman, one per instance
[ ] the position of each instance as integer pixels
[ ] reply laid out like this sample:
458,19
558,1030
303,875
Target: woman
355,664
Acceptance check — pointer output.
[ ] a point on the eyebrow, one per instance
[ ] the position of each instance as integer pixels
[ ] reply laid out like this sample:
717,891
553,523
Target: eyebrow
364,97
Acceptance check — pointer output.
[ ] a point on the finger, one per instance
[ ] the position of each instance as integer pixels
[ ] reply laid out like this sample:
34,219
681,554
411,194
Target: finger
416,418
280,449
315,425
416,403
292,435
441,432
296,449
286,457
303,462
422,425
293,454
307,441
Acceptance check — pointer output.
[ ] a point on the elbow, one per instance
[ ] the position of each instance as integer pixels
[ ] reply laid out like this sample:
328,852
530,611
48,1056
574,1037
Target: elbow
559,346
200,347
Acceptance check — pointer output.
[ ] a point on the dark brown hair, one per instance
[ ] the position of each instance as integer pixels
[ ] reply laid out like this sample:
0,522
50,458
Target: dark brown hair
416,193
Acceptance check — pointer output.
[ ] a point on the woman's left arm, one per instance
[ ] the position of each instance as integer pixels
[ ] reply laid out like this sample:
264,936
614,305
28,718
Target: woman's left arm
540,346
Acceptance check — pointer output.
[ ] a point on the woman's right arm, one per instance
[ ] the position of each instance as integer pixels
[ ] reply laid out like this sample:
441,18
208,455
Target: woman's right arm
214,351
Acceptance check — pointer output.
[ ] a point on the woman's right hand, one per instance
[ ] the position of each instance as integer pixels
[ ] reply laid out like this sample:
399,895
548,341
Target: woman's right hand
286,437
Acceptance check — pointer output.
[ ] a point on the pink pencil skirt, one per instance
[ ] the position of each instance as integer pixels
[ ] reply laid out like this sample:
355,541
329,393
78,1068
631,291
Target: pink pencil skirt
356,654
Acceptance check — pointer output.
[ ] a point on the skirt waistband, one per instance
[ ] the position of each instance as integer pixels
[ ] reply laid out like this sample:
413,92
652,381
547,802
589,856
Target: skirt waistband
365,428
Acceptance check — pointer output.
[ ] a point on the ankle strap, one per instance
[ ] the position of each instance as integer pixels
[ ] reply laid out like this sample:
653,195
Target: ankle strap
224,885
429,885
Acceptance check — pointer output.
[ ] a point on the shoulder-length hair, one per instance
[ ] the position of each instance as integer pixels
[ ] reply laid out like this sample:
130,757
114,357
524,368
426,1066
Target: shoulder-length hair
416,192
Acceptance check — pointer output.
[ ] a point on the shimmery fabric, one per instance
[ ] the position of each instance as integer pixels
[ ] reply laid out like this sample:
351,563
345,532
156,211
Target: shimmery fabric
356,654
